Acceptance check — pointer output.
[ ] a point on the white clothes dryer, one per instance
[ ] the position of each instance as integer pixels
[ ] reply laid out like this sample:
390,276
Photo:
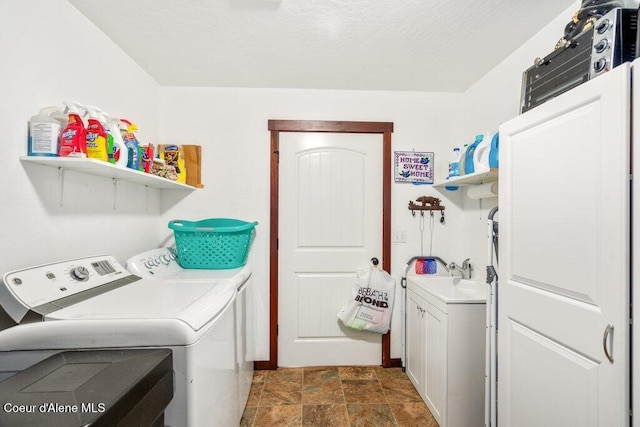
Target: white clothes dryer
95,303
161,264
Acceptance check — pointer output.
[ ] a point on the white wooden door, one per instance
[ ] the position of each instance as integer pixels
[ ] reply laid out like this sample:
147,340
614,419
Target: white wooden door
330,225
564,259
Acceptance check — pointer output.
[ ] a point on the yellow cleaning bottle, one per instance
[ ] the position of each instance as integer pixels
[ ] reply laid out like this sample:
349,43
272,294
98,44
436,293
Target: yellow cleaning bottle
96,137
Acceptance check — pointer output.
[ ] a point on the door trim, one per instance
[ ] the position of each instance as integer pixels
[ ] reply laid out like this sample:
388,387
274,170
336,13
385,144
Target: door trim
277,126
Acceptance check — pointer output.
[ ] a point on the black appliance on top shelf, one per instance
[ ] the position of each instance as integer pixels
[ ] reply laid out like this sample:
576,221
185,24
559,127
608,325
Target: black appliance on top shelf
609,42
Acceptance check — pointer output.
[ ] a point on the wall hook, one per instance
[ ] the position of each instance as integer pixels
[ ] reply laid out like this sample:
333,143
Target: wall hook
427,203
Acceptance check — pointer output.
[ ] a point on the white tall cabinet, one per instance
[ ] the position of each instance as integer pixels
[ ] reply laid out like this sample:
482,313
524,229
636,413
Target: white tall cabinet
564,287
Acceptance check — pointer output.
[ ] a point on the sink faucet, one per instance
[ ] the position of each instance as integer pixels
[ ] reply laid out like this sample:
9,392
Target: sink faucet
465,270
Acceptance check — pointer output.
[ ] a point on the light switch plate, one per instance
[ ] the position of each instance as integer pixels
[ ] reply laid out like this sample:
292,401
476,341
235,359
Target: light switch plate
400,236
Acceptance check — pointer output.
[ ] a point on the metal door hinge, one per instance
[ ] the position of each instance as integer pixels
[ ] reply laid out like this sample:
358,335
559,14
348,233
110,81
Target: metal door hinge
277,329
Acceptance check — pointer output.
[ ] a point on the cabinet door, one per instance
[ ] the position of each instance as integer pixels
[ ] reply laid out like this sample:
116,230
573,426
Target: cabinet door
435,378
415,341
563,313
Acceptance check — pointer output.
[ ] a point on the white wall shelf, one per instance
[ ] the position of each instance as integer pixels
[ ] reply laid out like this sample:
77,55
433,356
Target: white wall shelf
100,168
476,178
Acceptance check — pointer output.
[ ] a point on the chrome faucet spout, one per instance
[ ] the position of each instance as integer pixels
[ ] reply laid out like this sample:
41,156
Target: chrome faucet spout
464,270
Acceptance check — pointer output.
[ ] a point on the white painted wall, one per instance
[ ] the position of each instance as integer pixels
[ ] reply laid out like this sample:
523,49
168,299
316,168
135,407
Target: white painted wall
231,125
492,100
50,53
54,54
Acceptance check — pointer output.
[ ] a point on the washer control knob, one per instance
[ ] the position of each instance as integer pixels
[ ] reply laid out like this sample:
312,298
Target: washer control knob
81,274
601,46
164,259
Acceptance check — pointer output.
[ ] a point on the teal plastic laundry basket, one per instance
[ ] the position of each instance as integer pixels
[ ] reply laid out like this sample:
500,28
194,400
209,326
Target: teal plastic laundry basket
214,244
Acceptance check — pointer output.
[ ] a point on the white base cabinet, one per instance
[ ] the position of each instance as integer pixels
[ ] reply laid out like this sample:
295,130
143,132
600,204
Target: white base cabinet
446,356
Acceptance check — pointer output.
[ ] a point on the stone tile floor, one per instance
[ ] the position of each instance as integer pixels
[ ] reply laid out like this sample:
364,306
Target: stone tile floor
335,396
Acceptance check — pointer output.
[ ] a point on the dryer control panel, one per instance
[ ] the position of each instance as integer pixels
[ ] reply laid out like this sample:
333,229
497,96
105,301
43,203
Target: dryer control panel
158,263
46,287
163,264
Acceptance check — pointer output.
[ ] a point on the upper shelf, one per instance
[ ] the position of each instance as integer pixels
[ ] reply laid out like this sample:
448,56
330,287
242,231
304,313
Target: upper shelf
100,168
476,178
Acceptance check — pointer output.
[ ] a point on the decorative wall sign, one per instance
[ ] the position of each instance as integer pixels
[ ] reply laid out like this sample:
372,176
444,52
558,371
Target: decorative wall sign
413,166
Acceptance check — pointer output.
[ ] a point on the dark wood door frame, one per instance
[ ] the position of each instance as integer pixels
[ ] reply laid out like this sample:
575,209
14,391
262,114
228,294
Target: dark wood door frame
277,126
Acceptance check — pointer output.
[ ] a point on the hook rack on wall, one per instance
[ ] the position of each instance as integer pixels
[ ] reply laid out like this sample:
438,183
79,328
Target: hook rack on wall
427,203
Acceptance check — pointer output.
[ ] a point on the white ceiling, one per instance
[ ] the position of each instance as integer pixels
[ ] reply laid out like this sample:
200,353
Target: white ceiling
420,45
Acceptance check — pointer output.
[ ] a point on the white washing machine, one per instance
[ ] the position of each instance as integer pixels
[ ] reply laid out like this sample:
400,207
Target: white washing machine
95,303
161,264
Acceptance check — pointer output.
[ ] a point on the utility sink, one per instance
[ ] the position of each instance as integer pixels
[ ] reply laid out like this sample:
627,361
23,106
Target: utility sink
443,290
445,330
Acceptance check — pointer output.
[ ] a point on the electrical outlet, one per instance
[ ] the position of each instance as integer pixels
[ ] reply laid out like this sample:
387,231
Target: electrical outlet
400,236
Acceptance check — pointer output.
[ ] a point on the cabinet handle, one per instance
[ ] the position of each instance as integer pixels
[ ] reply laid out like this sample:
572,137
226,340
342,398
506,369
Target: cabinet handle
608,331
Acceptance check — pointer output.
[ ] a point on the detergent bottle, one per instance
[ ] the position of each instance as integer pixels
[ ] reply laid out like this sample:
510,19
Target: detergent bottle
73,137
461,162
454,168
141,151
468,155
97,138
44,132
481,155
454,163
147,158
493,152
133,147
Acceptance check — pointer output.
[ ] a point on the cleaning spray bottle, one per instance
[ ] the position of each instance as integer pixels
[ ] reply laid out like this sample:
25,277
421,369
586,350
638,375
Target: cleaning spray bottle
110,145
96,137
133,147
117,151
73,137
44,132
